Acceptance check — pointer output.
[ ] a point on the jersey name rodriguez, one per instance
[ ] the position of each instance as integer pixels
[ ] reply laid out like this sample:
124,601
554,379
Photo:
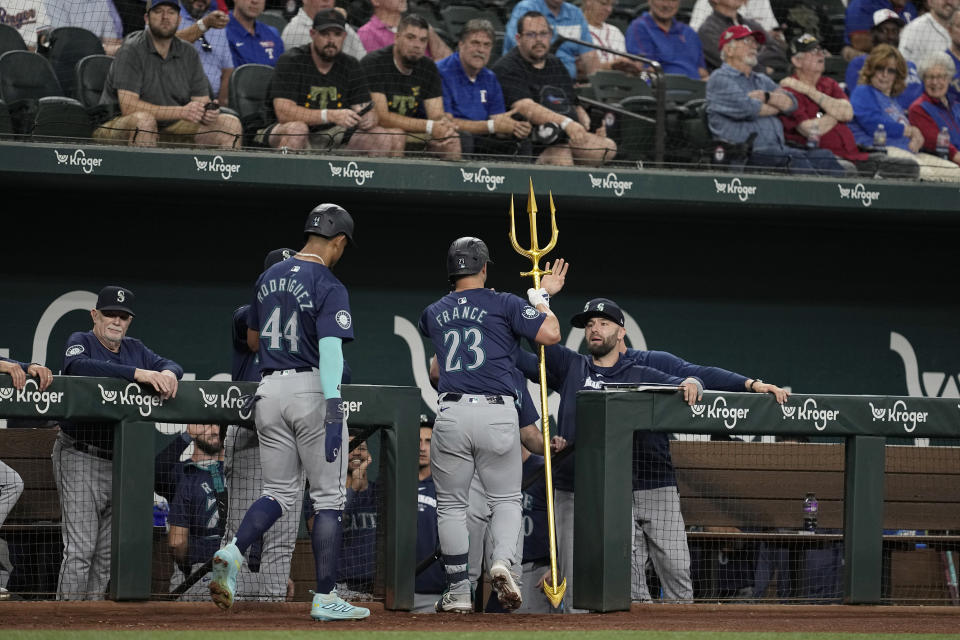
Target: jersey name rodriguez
286,285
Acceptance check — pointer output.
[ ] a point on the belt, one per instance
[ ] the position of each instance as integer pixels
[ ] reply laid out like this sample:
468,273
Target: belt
457,397
83,447
285,372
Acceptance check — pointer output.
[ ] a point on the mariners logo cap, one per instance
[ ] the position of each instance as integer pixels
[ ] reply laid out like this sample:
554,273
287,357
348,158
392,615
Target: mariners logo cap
329,19
602,307
114,298
739,32
277,255
882,15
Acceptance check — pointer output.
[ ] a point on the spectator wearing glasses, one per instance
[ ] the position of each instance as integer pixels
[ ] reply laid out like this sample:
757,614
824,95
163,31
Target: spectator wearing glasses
564,19
874,104
887,26
206,30
936,109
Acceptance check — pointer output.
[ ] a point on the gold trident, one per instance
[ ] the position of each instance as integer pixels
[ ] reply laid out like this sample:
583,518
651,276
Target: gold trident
555,589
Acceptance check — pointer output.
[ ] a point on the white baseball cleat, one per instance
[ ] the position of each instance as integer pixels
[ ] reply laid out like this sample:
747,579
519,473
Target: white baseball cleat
457,598
330,606
508,593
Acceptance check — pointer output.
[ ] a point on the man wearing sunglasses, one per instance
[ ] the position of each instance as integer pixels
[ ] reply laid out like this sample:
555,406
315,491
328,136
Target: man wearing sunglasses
207,31
83,451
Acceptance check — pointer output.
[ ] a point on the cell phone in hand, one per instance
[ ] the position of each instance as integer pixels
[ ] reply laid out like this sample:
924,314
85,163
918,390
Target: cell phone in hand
365,109
211,106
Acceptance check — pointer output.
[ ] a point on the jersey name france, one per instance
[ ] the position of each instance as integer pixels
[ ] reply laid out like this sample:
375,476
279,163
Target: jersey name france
476,334
295,304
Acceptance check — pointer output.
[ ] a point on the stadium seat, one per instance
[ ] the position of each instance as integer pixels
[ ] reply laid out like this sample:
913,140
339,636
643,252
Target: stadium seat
10,39
455,16
90,75
613,86
273,18
35,99
67,45
247,92
6,127
681,89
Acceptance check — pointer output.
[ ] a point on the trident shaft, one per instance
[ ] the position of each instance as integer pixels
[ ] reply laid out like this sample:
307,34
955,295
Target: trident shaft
555,588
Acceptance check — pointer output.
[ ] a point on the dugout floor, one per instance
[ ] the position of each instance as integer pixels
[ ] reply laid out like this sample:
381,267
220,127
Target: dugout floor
698,617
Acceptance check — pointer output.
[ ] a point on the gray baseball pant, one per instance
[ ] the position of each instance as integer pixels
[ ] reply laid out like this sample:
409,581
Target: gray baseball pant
659,534
11,486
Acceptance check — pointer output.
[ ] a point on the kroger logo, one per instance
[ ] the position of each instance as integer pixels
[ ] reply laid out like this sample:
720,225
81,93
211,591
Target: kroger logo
899,413
810,413
735,188
31,393
232,399
217,165
133,396
720,411
860,193
78,159
351,170
484,177
611,182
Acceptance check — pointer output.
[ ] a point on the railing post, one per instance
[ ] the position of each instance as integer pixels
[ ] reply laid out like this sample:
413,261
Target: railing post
131,543
863,519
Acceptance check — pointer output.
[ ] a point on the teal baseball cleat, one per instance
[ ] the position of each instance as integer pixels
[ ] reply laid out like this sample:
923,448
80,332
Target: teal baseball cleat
226,566
330,606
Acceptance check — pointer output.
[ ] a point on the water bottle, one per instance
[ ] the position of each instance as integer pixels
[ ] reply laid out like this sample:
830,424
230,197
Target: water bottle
943,143
810,509
813,136
880,138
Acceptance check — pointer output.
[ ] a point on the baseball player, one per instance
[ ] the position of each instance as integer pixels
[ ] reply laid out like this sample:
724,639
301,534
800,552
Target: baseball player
302,315
266,565
476,333
83,452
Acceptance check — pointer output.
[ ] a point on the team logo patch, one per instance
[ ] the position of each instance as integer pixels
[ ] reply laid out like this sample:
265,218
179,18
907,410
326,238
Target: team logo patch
74,350
343,319
530,313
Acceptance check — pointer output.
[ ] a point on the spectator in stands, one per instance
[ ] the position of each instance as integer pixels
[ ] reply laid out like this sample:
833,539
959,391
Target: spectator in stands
607,35
928,33
886,30
536,84
407,91
954,52
100,17
936,109
316,95
83,451
772,56
822,113
198,511
564,19
158,83
759,11
658,35
882,78
430,579
251,41
472,95
382,29
297,31
29,17
206,29
861,14
741,102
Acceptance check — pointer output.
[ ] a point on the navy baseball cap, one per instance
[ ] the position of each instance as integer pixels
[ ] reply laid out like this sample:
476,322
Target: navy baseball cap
277,255
329,19
115,298
153,4
602,307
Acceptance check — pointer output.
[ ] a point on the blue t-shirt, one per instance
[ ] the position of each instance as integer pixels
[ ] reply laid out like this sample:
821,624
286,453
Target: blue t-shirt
296,303
195,508
570,23
358,553
678,51
476,334
871,108
536,536
954,90
859,15
85,355
912,90
263,46
467,99
432,579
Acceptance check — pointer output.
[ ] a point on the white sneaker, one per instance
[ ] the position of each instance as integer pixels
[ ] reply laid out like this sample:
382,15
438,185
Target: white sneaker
508,593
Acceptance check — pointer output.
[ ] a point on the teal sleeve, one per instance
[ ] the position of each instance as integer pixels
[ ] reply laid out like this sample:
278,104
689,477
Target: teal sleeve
331,365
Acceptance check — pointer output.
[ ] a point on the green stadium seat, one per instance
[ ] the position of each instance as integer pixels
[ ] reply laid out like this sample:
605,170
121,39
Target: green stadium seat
273,18
247,92
90,75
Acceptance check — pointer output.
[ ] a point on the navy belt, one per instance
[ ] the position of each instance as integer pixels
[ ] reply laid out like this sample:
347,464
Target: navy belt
457,397
267,372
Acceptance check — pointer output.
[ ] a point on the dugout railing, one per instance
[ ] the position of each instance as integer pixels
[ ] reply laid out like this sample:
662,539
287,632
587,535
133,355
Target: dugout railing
393,410
608,419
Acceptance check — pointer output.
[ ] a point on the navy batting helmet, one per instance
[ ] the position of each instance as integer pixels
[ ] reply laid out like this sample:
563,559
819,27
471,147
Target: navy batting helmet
466,257
330,220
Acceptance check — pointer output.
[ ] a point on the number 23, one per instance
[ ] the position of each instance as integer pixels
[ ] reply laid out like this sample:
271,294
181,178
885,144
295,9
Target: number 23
471,339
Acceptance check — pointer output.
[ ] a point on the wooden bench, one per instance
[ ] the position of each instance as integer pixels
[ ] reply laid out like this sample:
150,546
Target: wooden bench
739,491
